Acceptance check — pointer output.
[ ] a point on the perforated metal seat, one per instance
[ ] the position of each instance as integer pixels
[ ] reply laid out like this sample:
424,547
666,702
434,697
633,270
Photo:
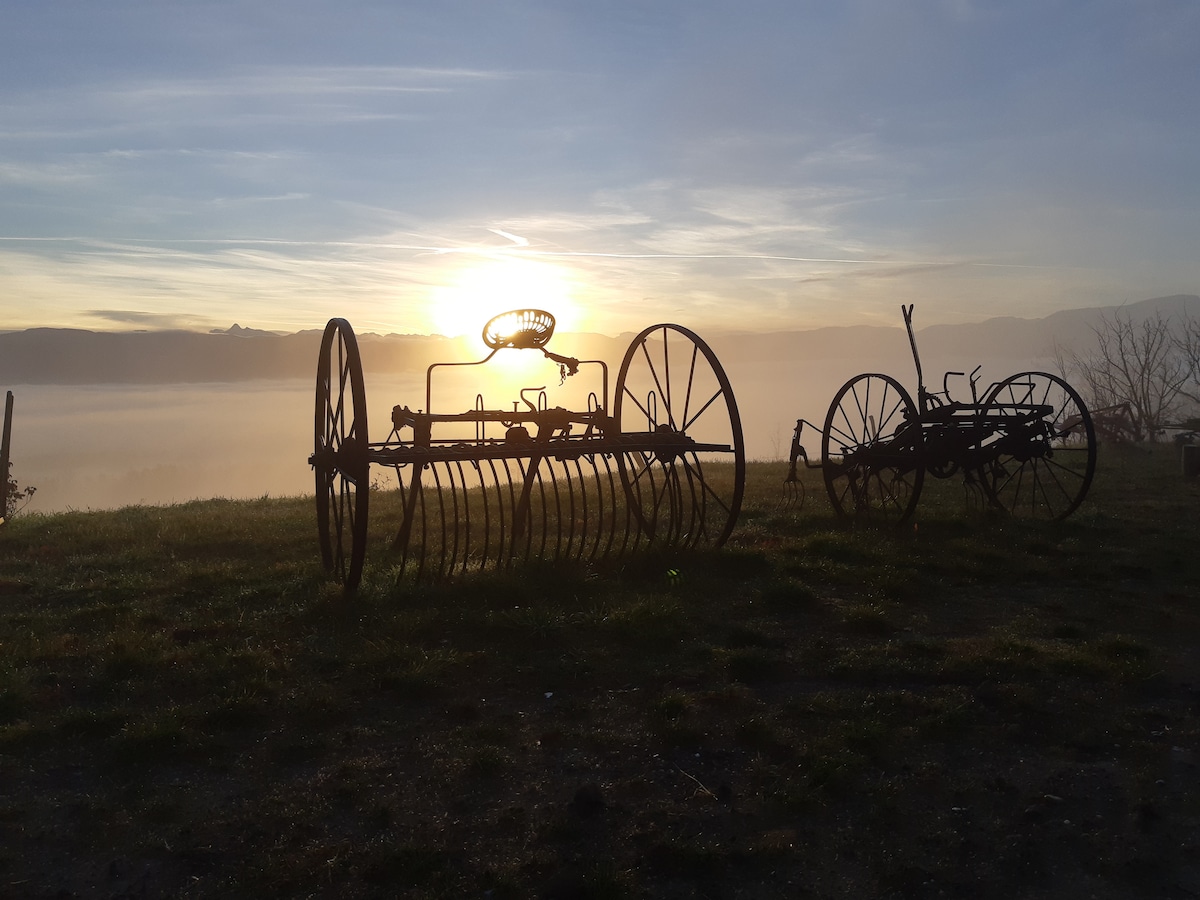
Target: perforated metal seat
522,329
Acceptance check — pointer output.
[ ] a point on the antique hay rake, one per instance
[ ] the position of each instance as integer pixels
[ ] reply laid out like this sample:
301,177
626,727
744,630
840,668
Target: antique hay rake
1028,447
663,466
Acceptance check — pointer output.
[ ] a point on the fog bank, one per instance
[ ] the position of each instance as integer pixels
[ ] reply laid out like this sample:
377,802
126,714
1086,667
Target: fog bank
107,446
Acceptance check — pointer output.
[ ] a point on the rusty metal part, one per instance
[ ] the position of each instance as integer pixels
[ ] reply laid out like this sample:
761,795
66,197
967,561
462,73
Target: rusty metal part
339,456
1028,446
1042,463
871,450
1115,423
793,488
490,488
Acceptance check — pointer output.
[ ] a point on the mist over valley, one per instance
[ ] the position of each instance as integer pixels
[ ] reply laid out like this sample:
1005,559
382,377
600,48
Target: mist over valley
104,420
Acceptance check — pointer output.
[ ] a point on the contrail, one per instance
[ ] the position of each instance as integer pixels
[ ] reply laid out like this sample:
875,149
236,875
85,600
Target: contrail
516,239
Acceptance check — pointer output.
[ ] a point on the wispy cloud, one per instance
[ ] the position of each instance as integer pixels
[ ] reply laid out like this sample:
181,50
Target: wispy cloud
234,201
46,174
308,81
262,95
141,319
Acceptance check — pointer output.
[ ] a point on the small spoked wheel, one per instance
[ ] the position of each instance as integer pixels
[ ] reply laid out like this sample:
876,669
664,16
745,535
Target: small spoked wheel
871,451
673,396
340,455
1040,467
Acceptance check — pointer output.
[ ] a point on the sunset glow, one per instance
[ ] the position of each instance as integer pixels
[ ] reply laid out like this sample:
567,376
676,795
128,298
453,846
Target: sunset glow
487,288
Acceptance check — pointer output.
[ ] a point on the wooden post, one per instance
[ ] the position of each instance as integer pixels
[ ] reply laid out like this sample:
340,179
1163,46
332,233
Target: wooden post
8,406
1190,455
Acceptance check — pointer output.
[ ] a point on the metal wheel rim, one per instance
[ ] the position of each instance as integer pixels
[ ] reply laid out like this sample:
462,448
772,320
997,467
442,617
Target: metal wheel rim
867,412
1051,487
694,397
340,455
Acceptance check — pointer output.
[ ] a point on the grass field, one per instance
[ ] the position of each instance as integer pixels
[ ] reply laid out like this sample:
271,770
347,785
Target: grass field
967,707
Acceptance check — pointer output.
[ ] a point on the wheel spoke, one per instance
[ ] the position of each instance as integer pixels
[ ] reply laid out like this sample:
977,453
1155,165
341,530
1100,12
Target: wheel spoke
646,462
687,399
654,374
667,378
688,423
851,440
645,412
1052,470
862,405
706,489
886,421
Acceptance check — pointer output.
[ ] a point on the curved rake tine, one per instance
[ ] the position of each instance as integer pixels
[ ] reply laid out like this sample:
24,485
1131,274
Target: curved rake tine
514,536
790,496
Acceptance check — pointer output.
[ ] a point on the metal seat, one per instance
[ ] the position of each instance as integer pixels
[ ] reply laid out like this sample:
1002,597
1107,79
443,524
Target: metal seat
522,329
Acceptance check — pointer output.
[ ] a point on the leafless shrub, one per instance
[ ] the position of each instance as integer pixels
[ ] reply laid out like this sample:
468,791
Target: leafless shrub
1151,367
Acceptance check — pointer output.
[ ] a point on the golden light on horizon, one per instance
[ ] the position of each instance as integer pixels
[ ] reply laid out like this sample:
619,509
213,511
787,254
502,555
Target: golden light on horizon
490,287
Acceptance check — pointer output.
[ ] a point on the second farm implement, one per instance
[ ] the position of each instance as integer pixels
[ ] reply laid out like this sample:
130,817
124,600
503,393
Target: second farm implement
1027,443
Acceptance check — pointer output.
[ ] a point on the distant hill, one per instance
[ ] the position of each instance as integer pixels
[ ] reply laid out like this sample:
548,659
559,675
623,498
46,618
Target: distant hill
1005,337
67,356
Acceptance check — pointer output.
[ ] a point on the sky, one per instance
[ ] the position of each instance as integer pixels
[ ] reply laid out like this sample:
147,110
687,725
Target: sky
416,167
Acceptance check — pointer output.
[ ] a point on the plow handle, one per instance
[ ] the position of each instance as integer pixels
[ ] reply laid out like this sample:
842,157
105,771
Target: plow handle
912,342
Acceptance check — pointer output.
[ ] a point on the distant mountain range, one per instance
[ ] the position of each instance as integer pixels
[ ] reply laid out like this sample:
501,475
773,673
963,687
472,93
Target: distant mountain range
1001,337
68,356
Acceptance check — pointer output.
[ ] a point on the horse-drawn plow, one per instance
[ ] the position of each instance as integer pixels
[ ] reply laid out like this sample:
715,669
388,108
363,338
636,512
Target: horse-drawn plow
661,465
1026,445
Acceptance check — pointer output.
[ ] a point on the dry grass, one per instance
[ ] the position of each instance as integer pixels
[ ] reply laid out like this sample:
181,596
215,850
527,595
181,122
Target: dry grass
971,707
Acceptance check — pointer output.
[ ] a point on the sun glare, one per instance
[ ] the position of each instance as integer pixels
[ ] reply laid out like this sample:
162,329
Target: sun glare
487,289
476,294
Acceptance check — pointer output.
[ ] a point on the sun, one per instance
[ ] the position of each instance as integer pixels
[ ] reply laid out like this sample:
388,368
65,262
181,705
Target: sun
483,290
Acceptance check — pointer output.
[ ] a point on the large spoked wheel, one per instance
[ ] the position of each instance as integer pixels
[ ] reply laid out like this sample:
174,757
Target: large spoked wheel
1040,467
871,451
673,397
340,455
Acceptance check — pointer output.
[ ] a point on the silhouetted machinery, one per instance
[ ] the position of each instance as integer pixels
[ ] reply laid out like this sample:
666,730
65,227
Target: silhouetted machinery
663,465
1027,443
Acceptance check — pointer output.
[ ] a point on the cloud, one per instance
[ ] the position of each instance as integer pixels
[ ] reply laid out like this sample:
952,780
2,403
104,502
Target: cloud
141,318
231,201
267,94
47,174
275,82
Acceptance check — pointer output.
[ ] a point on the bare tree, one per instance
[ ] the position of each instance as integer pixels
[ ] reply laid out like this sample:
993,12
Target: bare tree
1149,367
1188,345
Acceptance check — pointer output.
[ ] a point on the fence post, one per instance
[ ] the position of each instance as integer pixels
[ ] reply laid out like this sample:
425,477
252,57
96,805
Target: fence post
1190,456
8,407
